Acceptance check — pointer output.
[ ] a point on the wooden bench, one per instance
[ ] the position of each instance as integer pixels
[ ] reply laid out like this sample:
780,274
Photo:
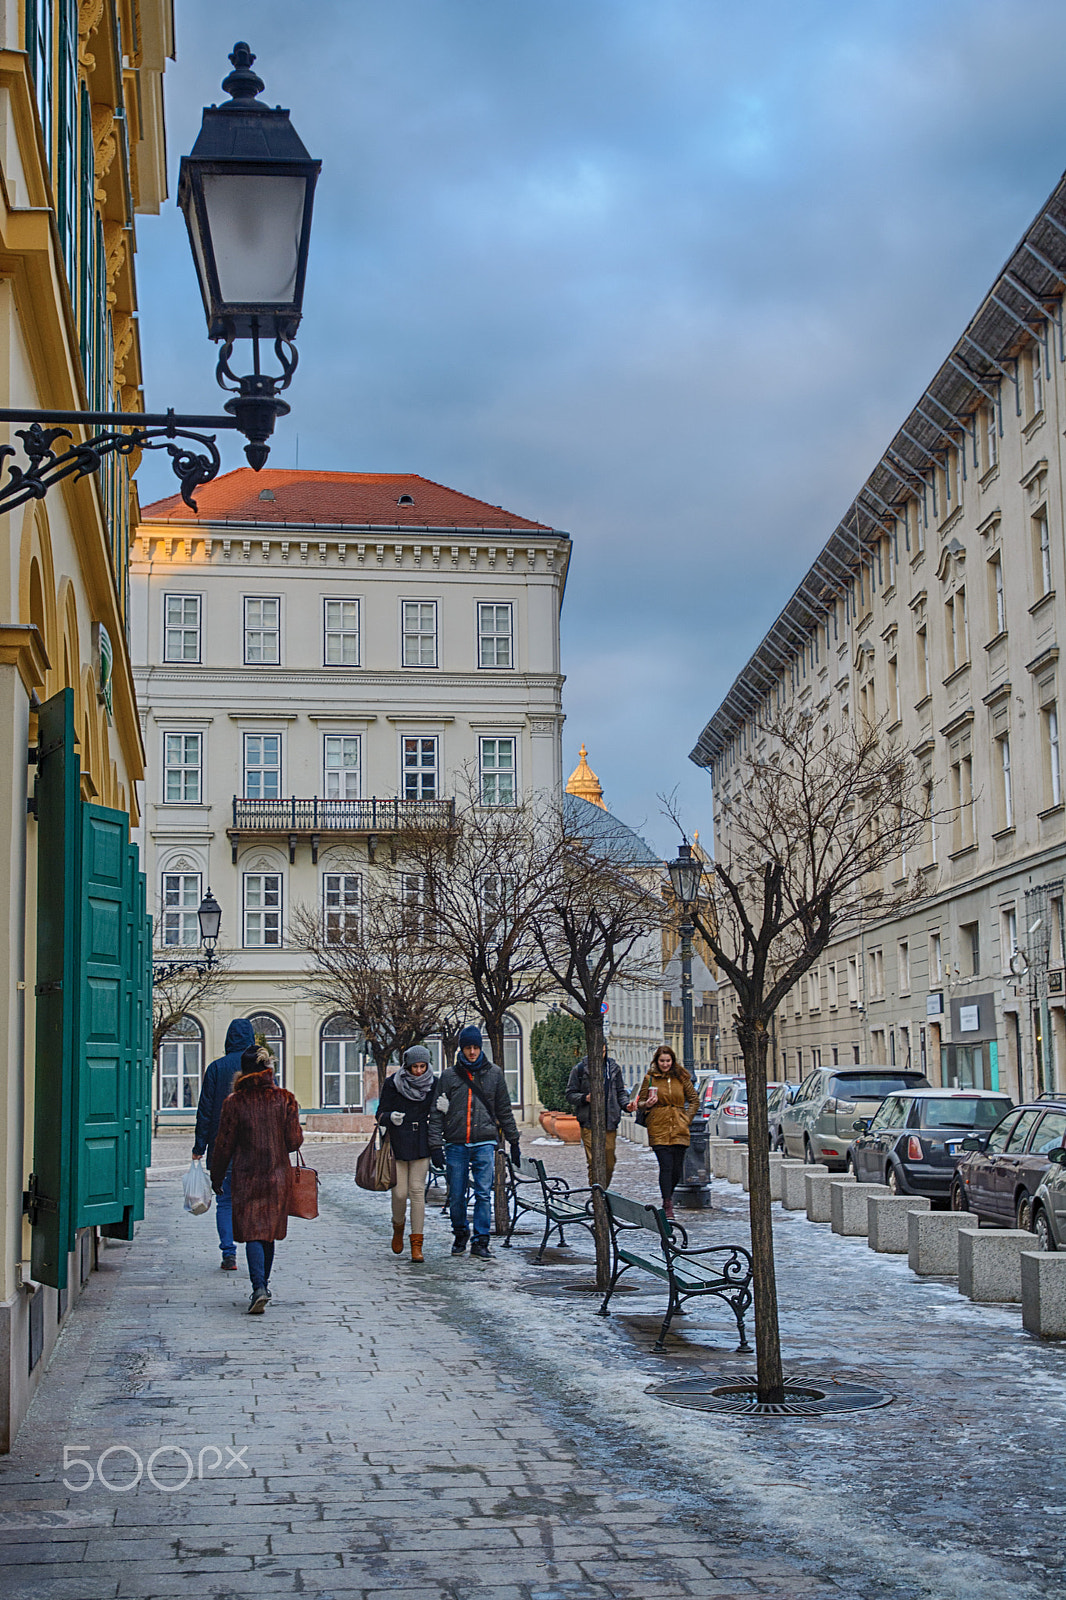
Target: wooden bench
175,1117
723,1270
532,1190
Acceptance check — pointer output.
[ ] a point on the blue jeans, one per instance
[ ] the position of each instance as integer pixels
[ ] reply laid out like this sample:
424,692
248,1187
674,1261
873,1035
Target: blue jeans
224,1217
470,1163
260,1256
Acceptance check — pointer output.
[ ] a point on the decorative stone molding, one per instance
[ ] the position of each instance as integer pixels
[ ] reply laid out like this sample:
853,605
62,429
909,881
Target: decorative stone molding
21,646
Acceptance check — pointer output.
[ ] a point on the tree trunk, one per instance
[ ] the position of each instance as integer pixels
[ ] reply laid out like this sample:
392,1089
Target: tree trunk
601,1231
753,1041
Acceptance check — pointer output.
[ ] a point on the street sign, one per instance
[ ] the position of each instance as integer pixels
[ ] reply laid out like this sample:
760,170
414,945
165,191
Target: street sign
604,1009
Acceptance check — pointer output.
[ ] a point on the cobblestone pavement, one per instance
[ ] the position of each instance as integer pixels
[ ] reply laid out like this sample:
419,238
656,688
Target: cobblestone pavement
473,1431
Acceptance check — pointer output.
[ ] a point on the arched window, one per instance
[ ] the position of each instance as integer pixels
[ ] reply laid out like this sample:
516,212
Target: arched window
269,1031
181,1065
343,1055
512,1057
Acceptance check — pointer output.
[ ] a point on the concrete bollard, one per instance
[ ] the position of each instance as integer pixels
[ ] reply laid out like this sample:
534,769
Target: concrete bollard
818,1181
733,1159
794,1184
990,1265
717,1149
933,1242
775,1174
745,1182
887,1221
1044,1293
848,1214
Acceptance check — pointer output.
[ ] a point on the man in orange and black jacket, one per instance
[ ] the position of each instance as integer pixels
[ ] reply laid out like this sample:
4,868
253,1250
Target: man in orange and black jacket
471,1104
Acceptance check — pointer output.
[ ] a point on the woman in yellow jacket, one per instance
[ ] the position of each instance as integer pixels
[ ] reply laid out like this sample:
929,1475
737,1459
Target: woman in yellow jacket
670,1101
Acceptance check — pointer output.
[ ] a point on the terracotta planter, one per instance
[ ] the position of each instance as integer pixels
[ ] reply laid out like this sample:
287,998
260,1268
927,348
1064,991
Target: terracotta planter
547,1122
567,1128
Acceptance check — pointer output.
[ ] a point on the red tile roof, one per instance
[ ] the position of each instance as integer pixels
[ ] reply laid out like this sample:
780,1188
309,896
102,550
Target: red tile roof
349,499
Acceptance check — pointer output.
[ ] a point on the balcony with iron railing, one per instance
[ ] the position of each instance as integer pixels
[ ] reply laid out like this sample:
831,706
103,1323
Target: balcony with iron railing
296,818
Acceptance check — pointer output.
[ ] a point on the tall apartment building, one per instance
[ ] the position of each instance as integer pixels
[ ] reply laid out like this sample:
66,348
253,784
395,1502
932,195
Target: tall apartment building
319,655
937,605
82,153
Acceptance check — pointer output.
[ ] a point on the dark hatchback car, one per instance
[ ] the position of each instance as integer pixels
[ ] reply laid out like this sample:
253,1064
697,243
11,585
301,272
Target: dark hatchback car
913,1141
999,1173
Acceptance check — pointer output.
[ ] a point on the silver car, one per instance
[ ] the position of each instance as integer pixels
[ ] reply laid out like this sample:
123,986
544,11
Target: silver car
1049,1204
729,1118
819,1125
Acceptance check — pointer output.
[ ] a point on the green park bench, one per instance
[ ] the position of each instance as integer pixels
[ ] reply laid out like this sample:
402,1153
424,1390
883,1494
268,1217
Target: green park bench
723,1270
533,1191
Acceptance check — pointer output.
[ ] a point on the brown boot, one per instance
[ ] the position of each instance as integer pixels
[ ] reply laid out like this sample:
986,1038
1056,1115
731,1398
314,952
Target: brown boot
416,1247
397,1238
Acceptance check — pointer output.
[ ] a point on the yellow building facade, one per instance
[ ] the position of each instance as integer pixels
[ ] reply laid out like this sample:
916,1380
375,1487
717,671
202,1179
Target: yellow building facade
81,152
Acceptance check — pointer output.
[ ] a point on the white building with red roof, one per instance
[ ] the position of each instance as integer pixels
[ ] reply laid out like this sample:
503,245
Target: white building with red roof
316,653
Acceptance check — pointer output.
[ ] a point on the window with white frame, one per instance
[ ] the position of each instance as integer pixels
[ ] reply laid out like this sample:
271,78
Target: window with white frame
853,980
420,633
875,973
262,630
413,902
262,910
497,765
495,628
262,766
1008,936
341,640
418,757
990,436
958,631
997,605
342,906
342,766
181,627
921,639
832,986
936,959
1006,787
343,1059
893,689
270,1033
180,901
1036,379
814,990
903,965
182,766
1042,552
1052,760
181,1065
962,795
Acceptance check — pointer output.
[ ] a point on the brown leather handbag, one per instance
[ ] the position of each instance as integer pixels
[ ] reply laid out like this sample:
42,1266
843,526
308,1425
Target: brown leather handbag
303,1190
376,1166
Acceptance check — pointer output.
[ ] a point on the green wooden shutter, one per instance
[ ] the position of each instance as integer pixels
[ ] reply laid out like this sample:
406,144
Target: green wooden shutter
50,1199
104,1127
140,1032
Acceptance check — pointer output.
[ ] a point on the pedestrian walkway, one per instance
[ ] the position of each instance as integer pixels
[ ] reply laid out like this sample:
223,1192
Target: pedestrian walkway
450,1433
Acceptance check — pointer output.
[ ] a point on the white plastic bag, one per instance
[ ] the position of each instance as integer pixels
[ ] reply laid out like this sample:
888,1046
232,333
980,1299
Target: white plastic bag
196,1186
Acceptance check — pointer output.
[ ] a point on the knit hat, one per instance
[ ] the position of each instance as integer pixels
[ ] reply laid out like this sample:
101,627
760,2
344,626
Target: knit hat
417,1052
470,1035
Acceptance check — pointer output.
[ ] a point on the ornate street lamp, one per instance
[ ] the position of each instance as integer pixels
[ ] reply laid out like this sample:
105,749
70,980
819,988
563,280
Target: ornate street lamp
209,916
686,875
246,192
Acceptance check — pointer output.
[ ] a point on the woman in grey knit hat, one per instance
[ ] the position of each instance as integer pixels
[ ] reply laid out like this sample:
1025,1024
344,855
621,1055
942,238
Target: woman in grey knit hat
403,1111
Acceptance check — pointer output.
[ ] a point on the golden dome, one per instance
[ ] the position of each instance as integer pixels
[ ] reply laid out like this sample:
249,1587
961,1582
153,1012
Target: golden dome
584,783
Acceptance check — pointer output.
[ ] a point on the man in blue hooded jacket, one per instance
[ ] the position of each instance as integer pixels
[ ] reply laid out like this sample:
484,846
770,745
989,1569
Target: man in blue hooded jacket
217,1084
471,1104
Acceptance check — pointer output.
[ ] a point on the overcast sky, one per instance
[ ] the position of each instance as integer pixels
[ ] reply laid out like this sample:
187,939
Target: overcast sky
664,273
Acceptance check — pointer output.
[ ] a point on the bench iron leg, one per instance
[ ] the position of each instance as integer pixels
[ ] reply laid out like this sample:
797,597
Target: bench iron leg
544,1242
738,1312
671,1311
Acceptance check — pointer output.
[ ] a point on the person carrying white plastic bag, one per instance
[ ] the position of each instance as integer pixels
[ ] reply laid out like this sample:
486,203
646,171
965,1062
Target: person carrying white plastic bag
196,1186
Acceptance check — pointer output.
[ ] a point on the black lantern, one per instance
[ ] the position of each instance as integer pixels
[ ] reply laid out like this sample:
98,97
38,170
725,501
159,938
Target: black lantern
210,920
686,875
246,191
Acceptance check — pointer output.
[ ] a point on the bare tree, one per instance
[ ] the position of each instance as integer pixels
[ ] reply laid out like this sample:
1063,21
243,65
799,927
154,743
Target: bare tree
380,963
181,991
487,879
818,839
601,925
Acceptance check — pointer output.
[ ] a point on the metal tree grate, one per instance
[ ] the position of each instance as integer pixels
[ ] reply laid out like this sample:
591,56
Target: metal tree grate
801,1399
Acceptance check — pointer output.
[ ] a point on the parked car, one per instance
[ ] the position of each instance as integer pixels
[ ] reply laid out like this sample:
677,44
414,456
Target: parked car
819,1125
712,1088
1049,1204
999,1173
729,1118
783,1095
912,1141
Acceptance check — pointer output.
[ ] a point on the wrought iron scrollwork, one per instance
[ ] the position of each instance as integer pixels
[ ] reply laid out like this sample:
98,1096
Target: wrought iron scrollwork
46,466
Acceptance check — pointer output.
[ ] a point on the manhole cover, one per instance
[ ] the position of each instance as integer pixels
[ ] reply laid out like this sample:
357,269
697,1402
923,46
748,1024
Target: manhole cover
543,1284
802,1398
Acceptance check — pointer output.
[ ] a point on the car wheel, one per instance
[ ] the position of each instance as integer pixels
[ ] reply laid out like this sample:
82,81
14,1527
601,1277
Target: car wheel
1042,1228
958,1198
808,1153
892,1181
779,1144
852,1168
1023,1213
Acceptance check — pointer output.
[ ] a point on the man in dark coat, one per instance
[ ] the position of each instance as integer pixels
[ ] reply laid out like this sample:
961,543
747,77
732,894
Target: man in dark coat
217,1085
615,1094
471,1103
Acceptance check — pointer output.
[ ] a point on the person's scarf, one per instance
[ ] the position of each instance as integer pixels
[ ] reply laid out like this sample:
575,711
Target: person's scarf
413,1088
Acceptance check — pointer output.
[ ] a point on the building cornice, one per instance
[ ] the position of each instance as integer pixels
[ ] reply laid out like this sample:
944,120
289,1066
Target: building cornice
21,646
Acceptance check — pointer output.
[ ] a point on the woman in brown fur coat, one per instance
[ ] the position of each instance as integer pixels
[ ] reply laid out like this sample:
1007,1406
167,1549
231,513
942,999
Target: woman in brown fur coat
260,1125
